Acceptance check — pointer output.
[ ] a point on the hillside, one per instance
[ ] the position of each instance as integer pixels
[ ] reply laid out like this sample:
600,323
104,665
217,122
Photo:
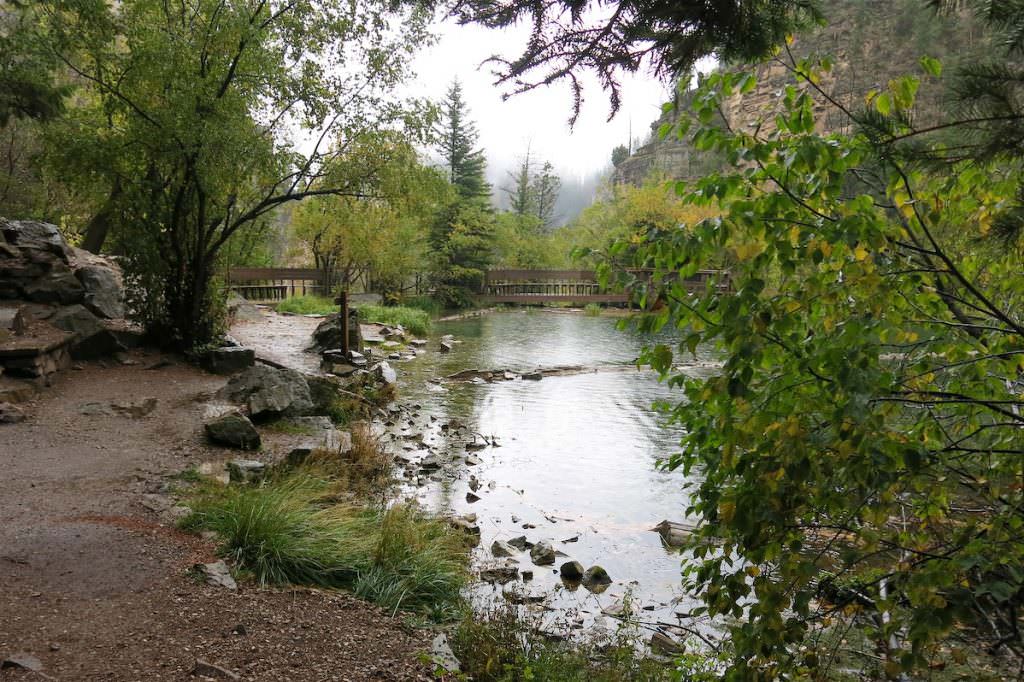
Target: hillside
870,41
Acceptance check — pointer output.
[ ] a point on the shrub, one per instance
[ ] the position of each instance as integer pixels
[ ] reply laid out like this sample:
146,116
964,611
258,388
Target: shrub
414,320
307,305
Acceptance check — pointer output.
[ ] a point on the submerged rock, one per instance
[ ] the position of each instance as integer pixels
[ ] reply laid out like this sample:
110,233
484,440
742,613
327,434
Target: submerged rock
543,554
571,570
499,573
596,576
503,549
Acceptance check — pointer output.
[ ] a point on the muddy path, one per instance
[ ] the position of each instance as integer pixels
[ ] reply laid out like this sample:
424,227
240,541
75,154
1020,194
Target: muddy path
94,576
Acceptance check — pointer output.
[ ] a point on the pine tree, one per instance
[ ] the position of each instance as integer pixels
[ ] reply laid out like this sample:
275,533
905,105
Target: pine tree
520,192
545,188
459,136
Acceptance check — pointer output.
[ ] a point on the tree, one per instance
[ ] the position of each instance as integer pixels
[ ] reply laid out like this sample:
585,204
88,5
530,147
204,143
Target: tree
457,137
544,188
619,154
191,112
462,244
860,451
572,35
520,192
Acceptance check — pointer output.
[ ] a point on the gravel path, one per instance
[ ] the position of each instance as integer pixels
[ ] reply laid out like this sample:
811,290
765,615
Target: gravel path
94,578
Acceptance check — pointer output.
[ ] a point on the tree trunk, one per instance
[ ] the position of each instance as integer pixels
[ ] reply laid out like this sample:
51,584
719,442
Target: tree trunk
99,227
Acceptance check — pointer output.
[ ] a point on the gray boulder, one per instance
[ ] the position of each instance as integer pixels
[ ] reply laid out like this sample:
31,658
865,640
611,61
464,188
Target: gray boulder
103,293
35,236
269,392
93,339
571,570
542,554
596,576
59,285
233,429
503,549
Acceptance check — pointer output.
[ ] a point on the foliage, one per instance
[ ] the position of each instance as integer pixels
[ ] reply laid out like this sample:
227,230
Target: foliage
307,305
457,136
378,234
544,188
462,240
413,320
189,114
619,154
571,35
866,420
293,530
504,645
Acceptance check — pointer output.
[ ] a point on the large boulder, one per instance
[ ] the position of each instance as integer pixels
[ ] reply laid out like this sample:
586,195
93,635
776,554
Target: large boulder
228,359
31,235
328,336
234,430
269,392
104,295
92,338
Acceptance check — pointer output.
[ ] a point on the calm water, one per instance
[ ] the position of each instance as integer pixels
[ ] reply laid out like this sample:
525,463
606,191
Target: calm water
578,455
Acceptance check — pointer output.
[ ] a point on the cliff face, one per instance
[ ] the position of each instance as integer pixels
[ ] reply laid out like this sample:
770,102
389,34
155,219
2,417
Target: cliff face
870,42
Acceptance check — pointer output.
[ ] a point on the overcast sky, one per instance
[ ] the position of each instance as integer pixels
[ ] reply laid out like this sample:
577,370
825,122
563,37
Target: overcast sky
539,117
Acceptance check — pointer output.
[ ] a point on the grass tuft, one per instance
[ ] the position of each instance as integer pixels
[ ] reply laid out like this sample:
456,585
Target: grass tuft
414,320
307,305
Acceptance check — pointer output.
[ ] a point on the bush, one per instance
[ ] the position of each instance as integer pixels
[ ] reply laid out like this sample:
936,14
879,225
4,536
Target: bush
592,310
293,530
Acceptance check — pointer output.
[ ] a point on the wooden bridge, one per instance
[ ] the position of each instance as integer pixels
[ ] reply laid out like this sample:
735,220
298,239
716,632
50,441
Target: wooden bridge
568,286
269,285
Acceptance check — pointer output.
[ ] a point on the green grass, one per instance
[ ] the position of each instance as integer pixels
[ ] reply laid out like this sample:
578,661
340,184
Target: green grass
592,310
414,320
307,305
305,529
430,306
506,646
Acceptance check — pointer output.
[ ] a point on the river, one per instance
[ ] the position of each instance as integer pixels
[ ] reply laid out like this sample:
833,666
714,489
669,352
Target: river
578,458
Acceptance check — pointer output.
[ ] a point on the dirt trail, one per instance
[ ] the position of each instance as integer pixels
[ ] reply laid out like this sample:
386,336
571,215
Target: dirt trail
94,578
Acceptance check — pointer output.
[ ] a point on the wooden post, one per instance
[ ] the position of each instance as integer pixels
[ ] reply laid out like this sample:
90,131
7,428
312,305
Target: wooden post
342,302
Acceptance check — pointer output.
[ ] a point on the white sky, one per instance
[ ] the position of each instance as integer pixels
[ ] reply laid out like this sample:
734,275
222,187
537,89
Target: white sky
540,117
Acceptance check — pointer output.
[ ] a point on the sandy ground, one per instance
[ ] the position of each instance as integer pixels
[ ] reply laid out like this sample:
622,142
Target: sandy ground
94,578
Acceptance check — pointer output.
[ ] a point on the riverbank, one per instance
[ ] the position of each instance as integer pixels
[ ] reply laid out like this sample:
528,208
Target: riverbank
95,579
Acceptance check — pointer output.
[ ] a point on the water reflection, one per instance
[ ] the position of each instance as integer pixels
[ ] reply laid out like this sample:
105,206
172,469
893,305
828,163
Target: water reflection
577,462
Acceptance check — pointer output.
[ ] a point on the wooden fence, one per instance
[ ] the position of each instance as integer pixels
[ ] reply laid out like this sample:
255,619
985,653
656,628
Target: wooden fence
268,285
568,286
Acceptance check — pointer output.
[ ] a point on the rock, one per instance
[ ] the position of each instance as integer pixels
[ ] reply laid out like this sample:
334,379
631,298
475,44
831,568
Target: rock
339,369
205,669
663,644
331,440
233,429
10,414
92,338
446,347
95,409
104,295
533,376
474,483
228,360
518,594
542,554
521,543
471,497
328,333
240,310
571,570
466,525
135,408
58,286
385,373
499,572
503,549
442,655
674,534
22,660
527,575
419,343
596,576
217,573
245,470
269,392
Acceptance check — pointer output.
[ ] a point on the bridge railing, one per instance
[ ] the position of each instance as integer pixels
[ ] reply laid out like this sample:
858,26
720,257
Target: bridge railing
578,286
267,285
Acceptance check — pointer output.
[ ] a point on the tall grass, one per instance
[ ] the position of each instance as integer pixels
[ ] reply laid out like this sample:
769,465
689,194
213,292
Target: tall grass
592,310
307,305
304,529
414,320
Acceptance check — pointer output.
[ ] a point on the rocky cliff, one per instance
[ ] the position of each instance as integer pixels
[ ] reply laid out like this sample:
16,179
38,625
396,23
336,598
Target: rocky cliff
870,42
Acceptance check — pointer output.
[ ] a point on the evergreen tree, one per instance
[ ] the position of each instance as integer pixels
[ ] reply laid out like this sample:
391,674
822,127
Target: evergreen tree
458,136
520,193
544,189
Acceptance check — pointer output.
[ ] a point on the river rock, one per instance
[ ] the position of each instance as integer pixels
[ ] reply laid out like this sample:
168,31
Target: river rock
596,576
104,295
520,594
571,570
11,414
233,429
500,573
542,554
520,543
533,376
663,644
269,392
503,549
228,360
385,373
446,347
472,497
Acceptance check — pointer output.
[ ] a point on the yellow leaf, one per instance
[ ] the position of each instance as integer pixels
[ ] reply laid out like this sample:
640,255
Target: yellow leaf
860,253
748,250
